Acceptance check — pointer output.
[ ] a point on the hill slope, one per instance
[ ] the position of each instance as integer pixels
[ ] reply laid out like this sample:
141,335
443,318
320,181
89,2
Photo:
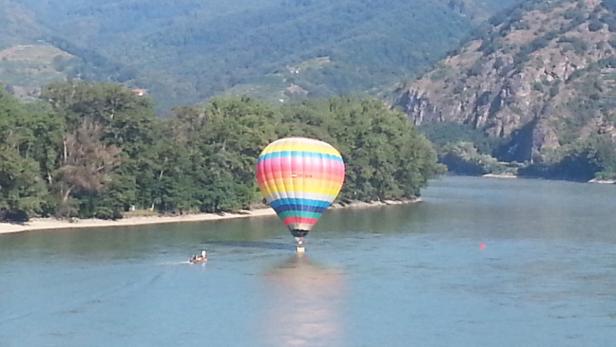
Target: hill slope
18,24
24,68
542,79
185,51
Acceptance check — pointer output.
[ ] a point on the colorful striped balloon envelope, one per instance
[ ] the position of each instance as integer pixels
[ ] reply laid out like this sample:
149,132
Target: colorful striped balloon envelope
300,178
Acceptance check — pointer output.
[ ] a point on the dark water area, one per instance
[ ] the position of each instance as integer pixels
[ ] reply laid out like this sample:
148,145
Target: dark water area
482,262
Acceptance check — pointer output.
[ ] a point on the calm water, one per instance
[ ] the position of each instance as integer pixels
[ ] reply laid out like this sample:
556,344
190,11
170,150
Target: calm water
396,276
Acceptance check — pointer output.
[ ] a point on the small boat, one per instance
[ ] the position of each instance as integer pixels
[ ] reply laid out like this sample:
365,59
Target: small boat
199,259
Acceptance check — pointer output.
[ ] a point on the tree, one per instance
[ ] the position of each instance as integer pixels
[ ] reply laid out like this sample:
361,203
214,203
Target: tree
386,158
464,158
227,150
127,122
22,192
27,150
86,162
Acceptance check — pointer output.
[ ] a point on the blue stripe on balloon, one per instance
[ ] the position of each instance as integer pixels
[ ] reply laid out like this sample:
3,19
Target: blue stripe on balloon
305,208
300,202
286,154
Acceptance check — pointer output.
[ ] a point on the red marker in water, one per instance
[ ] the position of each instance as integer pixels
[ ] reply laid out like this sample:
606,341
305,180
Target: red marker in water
482,246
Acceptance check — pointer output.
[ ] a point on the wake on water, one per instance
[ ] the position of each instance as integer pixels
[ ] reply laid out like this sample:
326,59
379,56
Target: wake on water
169,263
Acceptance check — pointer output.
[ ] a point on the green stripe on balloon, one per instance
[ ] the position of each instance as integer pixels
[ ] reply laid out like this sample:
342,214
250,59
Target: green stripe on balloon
302,214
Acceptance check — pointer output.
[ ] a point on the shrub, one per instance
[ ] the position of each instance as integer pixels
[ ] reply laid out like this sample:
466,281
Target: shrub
579,45
443,134
476,69
105,212
463,158
609,5
595,25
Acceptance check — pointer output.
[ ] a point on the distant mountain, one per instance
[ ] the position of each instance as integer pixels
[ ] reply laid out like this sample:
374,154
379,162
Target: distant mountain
33,54
540,78
18,24
184,51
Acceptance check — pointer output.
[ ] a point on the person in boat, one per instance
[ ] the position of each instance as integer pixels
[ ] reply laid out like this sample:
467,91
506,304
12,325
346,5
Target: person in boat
201,258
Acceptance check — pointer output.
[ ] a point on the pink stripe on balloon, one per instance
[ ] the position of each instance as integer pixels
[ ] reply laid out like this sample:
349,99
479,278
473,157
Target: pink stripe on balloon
300,220
297,162
262,178
278,166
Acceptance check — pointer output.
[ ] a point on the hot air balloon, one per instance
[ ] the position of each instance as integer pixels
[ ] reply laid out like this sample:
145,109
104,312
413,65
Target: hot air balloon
300,178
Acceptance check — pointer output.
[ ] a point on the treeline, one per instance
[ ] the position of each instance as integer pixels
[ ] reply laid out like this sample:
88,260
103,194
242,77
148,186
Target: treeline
98,150
468,151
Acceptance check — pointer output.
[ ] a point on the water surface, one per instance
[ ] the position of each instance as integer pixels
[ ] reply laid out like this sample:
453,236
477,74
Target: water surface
394,276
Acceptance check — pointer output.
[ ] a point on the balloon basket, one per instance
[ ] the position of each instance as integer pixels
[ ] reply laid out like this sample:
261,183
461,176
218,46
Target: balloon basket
299,245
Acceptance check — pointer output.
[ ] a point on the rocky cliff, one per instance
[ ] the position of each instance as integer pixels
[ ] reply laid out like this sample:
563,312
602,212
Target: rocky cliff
539,77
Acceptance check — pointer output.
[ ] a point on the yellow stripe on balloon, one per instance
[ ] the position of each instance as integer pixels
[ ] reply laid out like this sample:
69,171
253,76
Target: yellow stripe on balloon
314,186
298,147
315,195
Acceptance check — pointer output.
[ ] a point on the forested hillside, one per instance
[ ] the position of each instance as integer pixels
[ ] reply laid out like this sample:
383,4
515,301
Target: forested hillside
186,51
536,86
98,150
19,24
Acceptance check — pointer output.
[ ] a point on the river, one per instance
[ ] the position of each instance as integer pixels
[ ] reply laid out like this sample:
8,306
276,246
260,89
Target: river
481,262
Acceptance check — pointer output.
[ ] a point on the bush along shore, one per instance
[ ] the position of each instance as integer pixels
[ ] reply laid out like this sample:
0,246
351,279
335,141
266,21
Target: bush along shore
99,151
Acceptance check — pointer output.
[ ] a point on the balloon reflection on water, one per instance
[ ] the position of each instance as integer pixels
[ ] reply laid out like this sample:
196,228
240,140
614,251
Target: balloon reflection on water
306,305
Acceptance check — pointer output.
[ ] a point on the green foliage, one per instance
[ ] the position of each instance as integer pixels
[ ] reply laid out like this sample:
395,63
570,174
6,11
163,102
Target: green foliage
539,43
96,150
21,191
443,134
476,69
386,157
610,20
609,5
128,123
605,153
581,161
579,45
538,86
607,63
463,158
571,13
22,156
227,149
90,65
555,88
595,25
489,47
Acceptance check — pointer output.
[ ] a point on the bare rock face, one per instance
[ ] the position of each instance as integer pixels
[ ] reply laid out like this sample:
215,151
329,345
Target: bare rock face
541,78
419,107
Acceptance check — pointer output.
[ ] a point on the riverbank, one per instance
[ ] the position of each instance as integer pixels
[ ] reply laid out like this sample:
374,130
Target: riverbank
54,224
503,175
514,176
598,181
